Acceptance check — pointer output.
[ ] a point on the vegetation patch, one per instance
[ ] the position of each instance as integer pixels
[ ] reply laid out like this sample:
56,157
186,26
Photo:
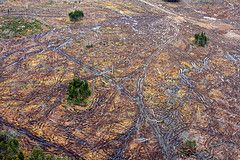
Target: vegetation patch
18,26
89,46
10,150
37,154
76,15
201,39
188,149
78,91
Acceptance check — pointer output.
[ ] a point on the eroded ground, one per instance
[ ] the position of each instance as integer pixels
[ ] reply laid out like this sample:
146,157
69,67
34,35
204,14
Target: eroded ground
152,87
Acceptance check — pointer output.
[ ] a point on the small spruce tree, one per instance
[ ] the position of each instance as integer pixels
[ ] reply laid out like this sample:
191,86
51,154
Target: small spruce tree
188,148
201,39
37,154
78,91
10,148
76,15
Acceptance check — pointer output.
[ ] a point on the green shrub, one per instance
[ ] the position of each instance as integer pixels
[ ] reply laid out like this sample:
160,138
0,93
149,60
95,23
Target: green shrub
9,148
78,91
76,15
188,148
201,39
89,46
37,154
16,26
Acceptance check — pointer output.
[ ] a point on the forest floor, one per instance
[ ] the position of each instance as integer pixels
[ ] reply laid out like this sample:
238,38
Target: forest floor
153,88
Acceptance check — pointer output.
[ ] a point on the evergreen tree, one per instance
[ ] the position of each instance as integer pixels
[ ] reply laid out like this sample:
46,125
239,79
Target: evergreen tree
76,15
189,148
9,148
78,91
201,39
37,154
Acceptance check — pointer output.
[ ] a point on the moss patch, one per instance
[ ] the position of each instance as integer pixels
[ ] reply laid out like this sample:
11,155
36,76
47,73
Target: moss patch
18,26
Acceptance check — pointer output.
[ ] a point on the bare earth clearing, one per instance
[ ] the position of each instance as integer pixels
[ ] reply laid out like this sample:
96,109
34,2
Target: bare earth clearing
152,87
